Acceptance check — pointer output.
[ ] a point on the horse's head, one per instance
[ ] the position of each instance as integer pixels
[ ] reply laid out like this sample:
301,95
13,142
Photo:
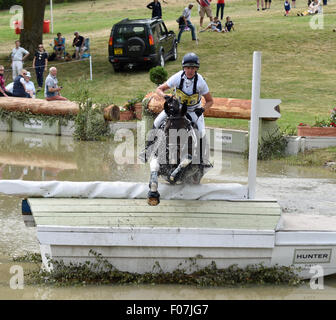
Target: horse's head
176,113
172,107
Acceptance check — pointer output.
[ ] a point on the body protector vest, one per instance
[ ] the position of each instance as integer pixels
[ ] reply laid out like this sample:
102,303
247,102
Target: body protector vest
191,100
18,89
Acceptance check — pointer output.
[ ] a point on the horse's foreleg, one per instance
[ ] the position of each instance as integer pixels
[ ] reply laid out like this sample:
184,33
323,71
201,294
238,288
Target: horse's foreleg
179,168
153,197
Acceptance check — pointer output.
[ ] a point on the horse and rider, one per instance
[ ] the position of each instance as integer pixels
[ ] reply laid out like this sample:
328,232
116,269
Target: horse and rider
182,111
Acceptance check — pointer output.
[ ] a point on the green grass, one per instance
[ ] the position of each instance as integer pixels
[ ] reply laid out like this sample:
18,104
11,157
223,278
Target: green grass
297,61
313,158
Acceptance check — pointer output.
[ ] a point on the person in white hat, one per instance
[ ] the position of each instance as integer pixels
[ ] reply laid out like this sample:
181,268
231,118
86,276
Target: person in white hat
30,87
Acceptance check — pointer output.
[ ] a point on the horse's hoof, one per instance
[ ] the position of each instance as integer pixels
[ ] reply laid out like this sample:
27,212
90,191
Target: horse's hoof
153,198
153,201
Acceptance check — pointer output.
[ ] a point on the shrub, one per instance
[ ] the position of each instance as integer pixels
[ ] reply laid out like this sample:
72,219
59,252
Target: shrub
90,124
158,75
272,146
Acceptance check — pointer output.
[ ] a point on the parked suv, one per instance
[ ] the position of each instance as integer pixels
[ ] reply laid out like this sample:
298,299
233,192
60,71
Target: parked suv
135,42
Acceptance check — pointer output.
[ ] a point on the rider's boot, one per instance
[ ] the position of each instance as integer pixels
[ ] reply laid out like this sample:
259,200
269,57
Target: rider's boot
204,160
202,149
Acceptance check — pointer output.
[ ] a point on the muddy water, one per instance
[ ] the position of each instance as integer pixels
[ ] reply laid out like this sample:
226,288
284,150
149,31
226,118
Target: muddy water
34,157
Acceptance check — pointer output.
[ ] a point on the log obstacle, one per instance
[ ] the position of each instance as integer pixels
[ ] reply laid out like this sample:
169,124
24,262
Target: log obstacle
222,107
40,106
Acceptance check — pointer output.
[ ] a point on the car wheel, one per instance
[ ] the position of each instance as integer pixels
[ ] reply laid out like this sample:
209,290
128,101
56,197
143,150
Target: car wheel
174,56
161,61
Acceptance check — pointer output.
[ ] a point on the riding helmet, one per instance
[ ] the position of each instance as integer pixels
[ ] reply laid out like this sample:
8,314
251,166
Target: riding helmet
190,60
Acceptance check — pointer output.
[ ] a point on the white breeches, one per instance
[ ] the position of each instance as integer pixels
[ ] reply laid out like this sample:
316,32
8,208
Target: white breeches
17,66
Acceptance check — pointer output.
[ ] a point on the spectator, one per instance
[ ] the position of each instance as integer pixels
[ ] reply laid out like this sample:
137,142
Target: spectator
287,7
205,8
59,46
40,63
186,14
19,86
314,8
293,3
18,56
229,24
30,87
262,5
155,6
52,90
220,7
3,90
269,4
78,43
215,26
9,87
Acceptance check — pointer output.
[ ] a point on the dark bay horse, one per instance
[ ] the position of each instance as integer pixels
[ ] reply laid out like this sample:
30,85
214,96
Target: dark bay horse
178,152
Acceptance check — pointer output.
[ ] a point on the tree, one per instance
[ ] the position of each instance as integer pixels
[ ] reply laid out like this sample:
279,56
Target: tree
33,17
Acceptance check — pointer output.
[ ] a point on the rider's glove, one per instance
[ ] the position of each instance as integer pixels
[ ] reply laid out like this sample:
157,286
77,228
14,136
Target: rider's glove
199,111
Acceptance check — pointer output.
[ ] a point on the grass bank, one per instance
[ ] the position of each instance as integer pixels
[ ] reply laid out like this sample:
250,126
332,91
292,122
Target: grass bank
314,158
297,60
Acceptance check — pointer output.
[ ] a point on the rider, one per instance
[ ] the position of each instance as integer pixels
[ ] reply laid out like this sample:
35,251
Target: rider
189,87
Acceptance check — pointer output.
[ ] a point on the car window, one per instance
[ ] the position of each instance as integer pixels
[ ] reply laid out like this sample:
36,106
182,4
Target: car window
156,32
164,28
124,32
163,31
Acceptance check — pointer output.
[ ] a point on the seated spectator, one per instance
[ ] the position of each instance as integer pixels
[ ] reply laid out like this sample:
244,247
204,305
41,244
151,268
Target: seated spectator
30,87
313,8
228,25
9,87
19,87
214,25
3,90
78,43
85,51
52,90
59,46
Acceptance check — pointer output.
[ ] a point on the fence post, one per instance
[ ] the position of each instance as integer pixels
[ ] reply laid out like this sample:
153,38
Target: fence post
254,125
90,67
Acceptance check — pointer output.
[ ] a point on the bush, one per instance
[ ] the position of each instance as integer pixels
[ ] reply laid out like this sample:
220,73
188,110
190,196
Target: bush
158,75
90,124
273,146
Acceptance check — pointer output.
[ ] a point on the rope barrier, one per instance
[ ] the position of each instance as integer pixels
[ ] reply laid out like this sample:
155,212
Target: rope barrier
65,62
9,70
